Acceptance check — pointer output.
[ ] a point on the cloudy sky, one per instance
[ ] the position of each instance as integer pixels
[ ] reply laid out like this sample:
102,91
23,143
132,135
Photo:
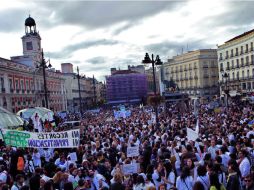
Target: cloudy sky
98,35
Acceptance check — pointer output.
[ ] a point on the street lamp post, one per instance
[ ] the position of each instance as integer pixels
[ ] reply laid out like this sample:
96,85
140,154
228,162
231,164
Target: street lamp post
94,91
44,65
226,91
79,92
156,61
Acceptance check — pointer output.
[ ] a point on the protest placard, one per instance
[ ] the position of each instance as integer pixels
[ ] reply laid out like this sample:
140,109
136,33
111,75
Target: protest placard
73,156
130,168
132,151
191,134
63,139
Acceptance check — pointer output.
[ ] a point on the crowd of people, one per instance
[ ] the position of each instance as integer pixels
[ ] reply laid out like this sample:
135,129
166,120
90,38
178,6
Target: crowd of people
221,158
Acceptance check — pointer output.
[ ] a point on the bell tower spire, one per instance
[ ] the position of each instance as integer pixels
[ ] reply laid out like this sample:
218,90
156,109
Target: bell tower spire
31,41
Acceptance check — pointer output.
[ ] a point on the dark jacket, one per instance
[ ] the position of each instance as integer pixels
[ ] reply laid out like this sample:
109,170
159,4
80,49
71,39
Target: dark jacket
34,182
117,186
233,182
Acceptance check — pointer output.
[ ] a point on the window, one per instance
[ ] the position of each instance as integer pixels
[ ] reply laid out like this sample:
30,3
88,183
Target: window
16,84
220,56
22,85
247,60
226,54
237,63
237,75
232,53
10,83
27,86
242,62
2,83
29,45
242,74
246,49
236,51
249,85
244,86
252,59
233,75
251,46
227,65
232,64
221,67
252,72
248,73
241,49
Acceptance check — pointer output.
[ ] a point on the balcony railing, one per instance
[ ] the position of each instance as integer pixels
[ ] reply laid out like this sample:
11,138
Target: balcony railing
227,68
231,55
220,58
232,67
185,69
205,66
3,90
236,54
11,90
247,64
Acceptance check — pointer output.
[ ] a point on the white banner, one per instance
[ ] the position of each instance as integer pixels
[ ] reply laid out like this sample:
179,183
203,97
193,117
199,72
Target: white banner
191,134
130,168
63,139
132,151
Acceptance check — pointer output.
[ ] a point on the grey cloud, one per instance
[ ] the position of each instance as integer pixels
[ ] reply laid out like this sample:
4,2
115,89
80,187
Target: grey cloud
104,13
11,20
237,13
171,48
97,60
124,28
68,50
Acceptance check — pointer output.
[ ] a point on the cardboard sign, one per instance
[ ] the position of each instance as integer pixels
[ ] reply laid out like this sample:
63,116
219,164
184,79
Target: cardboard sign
191,134
132,151
73,156
130,168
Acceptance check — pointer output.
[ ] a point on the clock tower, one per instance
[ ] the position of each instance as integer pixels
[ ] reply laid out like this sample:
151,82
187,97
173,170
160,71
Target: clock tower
32,42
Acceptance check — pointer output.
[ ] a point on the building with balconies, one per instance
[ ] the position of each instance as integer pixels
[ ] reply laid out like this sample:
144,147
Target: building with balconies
194,72
236,59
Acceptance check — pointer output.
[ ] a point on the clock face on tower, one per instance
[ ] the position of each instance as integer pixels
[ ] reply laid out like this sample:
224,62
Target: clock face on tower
29,45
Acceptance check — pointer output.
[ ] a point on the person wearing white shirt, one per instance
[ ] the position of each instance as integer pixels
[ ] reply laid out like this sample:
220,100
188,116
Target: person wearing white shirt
203,177
244,166
185,181
36,158
212,149
156,176
18,182
170,176
3,174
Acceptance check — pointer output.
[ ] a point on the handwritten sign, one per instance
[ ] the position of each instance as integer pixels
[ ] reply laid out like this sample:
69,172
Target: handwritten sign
130,168
191,134
132,151
73,156
64,139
